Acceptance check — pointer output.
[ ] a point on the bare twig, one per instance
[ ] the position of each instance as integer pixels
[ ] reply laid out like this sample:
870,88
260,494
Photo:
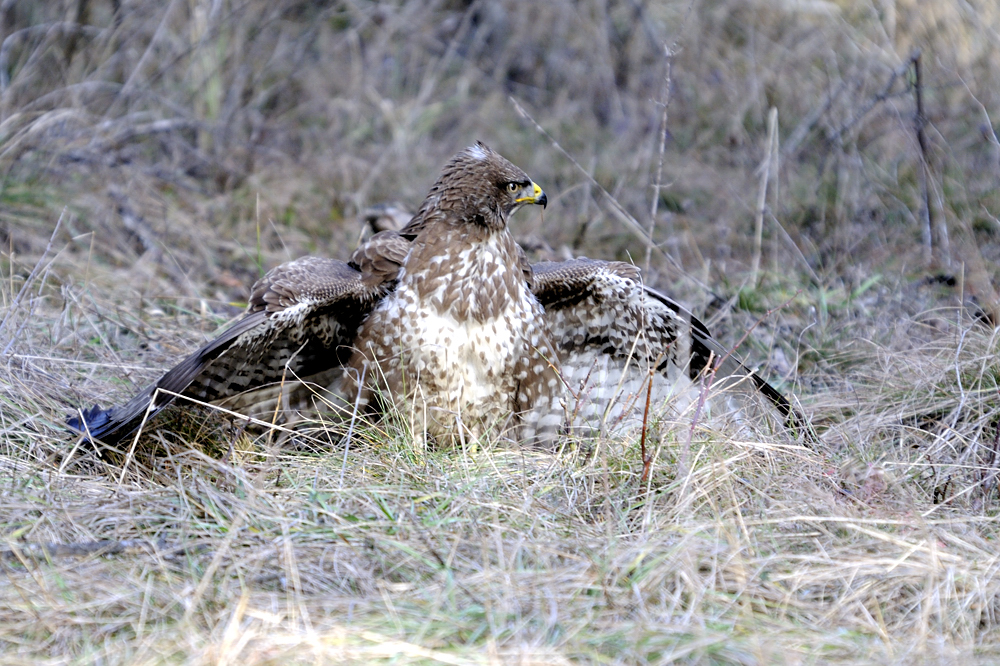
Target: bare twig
765,176
646,460
935,232
668,56
926,229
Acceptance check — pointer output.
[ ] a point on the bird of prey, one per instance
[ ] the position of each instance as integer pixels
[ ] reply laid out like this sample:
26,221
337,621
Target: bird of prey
447,321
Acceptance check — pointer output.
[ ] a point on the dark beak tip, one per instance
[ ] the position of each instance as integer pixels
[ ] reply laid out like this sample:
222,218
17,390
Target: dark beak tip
543,201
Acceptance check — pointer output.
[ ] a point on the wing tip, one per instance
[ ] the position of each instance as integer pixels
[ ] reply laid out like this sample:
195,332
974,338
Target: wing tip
794,420
93,422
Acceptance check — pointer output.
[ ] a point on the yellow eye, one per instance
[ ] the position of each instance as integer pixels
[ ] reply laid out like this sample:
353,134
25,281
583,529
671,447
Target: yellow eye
513,187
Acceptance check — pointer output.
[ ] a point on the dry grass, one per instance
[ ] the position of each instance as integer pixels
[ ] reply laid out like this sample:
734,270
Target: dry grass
185,147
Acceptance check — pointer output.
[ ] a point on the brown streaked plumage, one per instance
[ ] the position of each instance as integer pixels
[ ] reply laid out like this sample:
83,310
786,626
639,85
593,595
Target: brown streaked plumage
446,320
462,338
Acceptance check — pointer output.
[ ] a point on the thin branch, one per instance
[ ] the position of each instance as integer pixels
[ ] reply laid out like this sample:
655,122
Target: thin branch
647,460
765,176
935,232
668,56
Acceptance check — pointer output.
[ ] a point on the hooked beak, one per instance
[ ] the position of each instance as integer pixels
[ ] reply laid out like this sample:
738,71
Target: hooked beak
536,197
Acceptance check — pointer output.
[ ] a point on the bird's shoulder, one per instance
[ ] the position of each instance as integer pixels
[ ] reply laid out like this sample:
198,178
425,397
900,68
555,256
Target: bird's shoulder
318,283
564,284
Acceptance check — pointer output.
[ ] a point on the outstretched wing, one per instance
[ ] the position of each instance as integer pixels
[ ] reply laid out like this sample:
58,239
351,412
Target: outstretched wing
613,334
301,322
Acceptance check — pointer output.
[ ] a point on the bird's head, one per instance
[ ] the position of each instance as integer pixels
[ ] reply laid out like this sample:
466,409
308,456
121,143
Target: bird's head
479,186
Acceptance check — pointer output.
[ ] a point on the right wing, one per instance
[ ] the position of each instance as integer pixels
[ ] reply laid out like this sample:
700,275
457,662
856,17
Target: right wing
301,321
614,335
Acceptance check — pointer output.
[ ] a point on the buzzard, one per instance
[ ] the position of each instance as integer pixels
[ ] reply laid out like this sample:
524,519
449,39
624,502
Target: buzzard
447,321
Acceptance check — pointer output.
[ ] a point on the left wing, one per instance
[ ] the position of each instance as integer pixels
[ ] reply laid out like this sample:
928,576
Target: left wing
300,323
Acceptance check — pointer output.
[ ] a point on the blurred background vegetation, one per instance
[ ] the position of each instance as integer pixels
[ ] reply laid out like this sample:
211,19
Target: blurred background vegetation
196,143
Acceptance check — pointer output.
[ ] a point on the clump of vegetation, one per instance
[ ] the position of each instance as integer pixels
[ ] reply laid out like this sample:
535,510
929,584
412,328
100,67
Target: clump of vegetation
828,180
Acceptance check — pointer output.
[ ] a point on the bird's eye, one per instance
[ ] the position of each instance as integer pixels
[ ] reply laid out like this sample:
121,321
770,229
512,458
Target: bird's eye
513,187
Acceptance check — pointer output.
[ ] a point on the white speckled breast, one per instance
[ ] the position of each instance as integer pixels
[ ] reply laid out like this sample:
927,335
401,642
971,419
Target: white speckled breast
456,338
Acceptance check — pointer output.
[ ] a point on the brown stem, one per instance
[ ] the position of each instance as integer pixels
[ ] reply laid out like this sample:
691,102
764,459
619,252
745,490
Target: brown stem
646,460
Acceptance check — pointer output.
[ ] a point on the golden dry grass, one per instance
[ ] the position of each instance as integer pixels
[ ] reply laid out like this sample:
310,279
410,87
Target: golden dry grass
156,162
